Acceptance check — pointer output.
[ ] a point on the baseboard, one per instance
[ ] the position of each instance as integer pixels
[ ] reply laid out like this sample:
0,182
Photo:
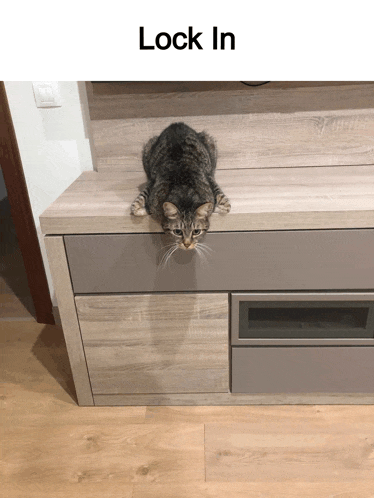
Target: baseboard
228,399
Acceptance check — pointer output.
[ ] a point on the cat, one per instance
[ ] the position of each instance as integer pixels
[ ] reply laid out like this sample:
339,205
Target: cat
181,192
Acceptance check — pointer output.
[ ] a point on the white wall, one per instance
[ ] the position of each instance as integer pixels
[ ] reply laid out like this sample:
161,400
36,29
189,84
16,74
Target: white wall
53,144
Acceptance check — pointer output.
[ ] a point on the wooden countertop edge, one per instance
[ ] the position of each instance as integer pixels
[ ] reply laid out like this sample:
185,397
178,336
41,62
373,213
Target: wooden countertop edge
312,208
234,222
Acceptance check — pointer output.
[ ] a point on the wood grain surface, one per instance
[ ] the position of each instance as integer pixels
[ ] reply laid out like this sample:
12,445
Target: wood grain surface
53,448
344,137
130,100
65,300
171,343
228,399
242,452
261,199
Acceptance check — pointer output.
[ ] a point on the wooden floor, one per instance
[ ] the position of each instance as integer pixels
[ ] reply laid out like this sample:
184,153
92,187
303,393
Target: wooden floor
15,297
53,448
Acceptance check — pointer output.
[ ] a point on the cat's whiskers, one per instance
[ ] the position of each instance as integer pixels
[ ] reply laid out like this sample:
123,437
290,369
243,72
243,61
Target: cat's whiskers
201,254
164,247
205,246
170,254
206,250
166,257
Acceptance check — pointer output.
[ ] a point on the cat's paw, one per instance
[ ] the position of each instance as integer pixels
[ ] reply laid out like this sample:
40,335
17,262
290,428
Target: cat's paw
137,208
223,204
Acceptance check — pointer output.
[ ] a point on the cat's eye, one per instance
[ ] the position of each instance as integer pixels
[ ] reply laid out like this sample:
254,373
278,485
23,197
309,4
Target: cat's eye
177,231
196,232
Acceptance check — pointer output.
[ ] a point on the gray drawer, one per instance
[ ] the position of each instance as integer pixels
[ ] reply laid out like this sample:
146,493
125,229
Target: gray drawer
270,260
302,319
303,369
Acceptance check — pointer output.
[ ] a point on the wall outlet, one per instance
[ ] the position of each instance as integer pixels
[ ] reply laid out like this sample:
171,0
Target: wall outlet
47,94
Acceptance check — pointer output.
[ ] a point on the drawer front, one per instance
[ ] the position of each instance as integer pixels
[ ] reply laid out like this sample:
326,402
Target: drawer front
302,319
279,260
171,343
303,370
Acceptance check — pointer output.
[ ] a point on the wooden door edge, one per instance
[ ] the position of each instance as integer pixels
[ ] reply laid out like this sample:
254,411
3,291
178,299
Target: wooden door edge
22,216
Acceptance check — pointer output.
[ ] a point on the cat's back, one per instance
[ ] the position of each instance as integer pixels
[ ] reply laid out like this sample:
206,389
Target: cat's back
177,133
177,140
178,155
179,166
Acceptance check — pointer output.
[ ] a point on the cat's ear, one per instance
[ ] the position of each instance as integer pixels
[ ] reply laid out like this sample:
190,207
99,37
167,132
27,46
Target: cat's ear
204,210
170,210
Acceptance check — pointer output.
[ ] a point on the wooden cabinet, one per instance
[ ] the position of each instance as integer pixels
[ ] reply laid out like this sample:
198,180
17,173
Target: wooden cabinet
174,347
160,343
141,334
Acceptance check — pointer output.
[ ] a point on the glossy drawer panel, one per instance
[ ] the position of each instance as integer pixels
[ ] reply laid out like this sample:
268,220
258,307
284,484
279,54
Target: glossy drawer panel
303,369
279,260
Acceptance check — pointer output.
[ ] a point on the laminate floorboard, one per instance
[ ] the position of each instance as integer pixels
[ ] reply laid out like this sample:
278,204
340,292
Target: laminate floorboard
53,448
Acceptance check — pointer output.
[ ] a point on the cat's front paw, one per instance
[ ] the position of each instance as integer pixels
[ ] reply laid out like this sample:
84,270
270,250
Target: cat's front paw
223,204
137,208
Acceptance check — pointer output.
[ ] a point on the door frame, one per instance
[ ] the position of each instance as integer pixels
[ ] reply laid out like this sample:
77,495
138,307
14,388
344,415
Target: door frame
22,215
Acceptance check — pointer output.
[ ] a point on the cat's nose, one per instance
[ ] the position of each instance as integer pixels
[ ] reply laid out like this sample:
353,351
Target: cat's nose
187,243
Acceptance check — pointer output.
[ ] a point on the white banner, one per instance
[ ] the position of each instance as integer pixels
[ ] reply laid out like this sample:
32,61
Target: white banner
187,40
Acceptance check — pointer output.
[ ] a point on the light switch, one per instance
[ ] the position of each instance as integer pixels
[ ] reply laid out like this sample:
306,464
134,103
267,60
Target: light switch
47,94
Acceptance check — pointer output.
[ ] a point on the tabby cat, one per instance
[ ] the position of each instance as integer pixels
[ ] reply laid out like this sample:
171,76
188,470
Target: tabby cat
181,192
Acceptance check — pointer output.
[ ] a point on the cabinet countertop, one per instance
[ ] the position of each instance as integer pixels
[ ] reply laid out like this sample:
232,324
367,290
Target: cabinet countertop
328,197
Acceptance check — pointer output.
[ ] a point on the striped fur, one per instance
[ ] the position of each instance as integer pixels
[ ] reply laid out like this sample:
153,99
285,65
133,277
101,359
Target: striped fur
181,192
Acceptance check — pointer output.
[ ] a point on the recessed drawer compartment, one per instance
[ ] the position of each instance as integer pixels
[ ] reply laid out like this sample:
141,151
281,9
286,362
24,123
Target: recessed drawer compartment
271,260
302,319
158,343
302,370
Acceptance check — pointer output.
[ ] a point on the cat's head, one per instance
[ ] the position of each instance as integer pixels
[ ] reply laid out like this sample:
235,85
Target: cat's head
186,228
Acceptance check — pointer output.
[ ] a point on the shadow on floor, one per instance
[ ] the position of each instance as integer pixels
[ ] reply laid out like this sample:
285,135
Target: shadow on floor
50,350
13,279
